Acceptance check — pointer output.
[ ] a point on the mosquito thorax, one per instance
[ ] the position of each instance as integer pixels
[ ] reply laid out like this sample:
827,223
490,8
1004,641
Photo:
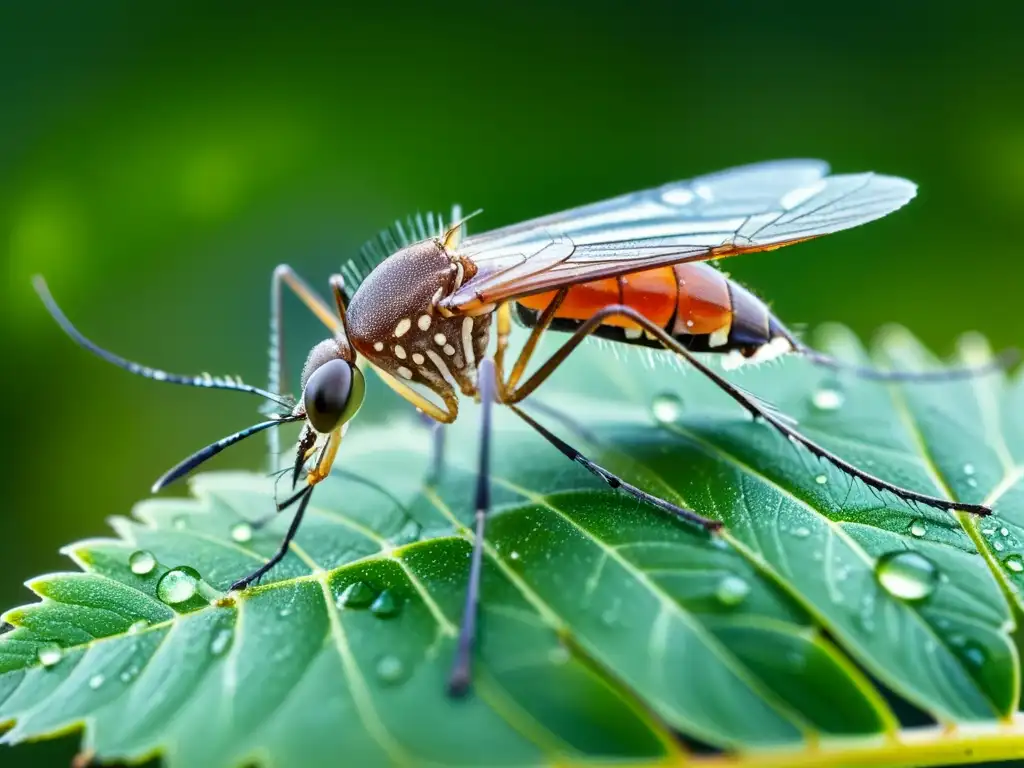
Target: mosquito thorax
394,321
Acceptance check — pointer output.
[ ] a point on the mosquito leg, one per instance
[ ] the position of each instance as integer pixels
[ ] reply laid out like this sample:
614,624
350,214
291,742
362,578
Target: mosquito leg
614,481
751,406
461,674
285,275
504,328
303,498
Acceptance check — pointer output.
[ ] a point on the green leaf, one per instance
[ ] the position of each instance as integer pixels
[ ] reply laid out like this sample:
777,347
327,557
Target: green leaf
608,628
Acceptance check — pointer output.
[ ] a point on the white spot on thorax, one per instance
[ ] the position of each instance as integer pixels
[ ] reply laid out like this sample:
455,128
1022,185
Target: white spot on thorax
417,358
447,374
403,326
404,372
440,340
423,322
400,351
379,346
449,349
467,342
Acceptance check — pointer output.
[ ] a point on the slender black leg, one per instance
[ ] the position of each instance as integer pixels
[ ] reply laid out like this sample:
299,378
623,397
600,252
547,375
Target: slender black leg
753,407
461,675
614,481
303,498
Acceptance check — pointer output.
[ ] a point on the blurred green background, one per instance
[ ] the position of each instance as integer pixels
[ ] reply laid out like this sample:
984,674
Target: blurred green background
157,161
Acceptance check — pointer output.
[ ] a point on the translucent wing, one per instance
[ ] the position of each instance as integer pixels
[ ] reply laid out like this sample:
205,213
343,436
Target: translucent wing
740,210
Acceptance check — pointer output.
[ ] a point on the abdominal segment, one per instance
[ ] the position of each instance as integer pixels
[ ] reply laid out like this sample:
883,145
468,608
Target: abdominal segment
694,302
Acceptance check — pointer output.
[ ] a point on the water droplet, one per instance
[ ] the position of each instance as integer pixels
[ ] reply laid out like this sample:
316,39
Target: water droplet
917,528
178,585
390,670
732,590
802,532
142,562
666,408
907,575
409,533
137,627
129,674
385,606
221,641
972,482
241,532
514,555
285,612
997,546
1004,531
974,654
825,399
96,681
359,594
49,654
1014,563
969,469
821,479
559,655
179,523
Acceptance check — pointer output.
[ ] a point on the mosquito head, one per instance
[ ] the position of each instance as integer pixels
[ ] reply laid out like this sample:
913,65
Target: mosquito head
332,387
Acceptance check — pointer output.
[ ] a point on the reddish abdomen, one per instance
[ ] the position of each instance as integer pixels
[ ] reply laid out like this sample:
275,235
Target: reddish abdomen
694,302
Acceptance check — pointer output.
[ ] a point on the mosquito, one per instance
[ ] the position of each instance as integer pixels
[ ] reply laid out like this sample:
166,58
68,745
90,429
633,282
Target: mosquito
420,305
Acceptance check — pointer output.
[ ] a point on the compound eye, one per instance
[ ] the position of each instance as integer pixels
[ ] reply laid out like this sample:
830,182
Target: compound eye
333,394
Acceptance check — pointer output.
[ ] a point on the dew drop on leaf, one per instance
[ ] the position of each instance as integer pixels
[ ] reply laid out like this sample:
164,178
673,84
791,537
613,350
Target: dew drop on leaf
974,654
559,655
137,626
1014,563
385,606
917,528
179,523
826,399
390,670
178,585
513,555
96,682
907,575
801,531
142,562
821,479
666,408
49,654
969,469
359,594
241,532
221,641
732,590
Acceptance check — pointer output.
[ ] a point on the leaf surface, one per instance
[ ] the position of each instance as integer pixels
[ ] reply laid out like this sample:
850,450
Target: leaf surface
607,627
